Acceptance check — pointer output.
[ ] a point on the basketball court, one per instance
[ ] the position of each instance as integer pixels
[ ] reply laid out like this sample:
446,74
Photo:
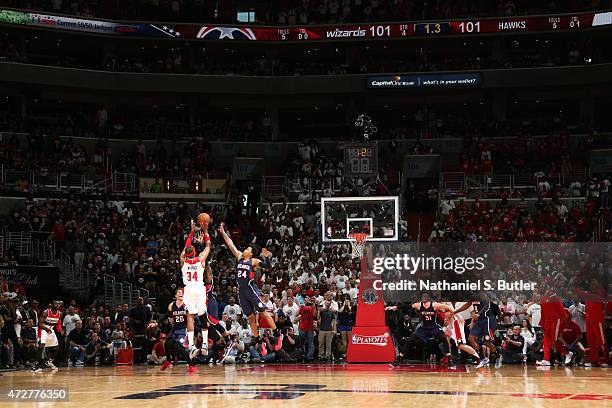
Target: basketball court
354,385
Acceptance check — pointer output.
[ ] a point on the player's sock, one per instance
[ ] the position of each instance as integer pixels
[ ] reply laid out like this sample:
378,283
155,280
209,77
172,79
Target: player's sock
190,339
477,357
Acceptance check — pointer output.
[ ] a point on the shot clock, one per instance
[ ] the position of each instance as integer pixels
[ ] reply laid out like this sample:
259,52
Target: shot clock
360,159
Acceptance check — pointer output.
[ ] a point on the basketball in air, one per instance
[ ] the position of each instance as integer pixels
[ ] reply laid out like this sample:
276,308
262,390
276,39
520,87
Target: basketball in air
203,219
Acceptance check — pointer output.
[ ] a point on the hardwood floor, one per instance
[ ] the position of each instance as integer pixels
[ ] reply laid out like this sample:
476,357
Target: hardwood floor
371,386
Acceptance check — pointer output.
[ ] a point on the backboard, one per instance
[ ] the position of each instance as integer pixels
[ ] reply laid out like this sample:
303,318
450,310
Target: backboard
377,216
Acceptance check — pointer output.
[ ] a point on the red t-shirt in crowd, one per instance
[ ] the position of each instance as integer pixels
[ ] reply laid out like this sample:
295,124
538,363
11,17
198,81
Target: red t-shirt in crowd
307,317
159,350
58,232
569,331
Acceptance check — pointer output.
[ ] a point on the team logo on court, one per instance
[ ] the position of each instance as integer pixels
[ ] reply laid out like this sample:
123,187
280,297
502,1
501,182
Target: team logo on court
369,297
371,340
293,391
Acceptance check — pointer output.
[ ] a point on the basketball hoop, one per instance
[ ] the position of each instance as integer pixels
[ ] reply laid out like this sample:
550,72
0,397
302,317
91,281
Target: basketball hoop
358,241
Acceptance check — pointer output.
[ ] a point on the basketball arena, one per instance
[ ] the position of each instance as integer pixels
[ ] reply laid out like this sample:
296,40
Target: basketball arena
305,202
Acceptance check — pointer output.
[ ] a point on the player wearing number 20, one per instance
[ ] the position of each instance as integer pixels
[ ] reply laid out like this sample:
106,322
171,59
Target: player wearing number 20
194,293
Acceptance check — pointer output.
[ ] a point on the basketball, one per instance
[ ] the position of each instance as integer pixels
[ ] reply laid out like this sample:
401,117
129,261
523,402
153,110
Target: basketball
203,219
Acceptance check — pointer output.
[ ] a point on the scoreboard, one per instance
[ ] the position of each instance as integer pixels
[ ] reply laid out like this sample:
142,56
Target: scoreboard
360,159
338,32
576,21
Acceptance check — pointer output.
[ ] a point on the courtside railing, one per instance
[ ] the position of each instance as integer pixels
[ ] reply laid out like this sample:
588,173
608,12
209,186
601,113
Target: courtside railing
455,183
44,181
282,187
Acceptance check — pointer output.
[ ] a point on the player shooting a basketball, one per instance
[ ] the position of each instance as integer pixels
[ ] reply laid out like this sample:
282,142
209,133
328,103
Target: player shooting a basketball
248,271
194,294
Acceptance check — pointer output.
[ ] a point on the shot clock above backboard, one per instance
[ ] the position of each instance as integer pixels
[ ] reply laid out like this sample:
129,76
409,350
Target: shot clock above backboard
360,159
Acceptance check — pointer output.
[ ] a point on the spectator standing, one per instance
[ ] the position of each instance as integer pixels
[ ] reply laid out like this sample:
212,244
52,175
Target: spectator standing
306,317
534,313
507,313
118,339
327,330
123,314
577,311
140,317
344,324
70,321
292,311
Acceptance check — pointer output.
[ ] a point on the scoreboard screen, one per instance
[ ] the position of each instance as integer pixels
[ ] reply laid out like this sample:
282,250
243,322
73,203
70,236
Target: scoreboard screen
365,31
360,159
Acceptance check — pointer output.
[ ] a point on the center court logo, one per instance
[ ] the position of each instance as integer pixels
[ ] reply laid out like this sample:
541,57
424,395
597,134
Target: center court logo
370,340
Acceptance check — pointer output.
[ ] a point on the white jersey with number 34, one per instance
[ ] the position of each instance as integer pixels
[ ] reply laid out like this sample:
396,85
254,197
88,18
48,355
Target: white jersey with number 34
193,272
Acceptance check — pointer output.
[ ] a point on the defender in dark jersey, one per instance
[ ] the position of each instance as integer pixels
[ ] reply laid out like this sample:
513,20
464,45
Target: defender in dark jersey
176,342
247,271
485,324
428,328
216,332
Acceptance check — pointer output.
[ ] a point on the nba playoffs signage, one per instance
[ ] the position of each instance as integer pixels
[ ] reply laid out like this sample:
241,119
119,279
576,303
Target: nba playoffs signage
380,340
370,341
40,282
424,81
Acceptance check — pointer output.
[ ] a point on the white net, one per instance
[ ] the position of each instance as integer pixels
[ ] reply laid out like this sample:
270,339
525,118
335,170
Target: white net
358,243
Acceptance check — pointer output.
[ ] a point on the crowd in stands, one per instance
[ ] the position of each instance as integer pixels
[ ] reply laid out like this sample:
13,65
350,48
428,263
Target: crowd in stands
515,222
189,58
304,277
296,12
87,335
97,122
141,245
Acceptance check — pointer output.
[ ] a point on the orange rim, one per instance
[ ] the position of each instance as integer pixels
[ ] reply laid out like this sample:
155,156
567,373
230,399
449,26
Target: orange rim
359,236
